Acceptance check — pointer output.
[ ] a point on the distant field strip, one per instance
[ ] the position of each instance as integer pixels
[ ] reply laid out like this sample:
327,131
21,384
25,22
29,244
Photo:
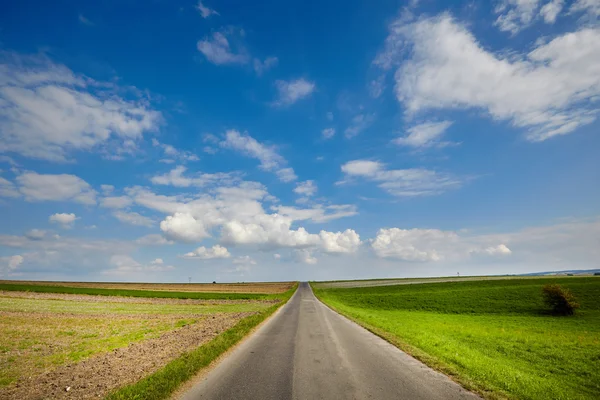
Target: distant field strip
135,292
411,281
260,287
93,344
493,336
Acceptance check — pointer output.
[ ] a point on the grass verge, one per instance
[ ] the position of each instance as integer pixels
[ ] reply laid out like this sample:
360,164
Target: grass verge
138,293
492,337
167,380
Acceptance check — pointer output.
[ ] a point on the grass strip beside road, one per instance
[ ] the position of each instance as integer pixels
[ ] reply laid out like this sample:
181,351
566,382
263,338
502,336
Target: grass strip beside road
163,383
493,337
139,293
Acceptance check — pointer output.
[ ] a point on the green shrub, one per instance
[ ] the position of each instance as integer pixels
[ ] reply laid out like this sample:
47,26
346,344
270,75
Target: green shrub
561,301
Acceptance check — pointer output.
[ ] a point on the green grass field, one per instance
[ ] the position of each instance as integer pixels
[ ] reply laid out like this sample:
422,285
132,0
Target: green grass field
495,337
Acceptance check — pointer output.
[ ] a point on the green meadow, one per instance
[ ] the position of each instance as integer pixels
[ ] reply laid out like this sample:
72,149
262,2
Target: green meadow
494,337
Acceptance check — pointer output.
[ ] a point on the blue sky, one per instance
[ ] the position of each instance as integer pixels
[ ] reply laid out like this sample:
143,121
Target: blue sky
235,141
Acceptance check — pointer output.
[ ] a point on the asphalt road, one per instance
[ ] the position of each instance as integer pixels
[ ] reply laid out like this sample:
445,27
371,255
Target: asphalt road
307,351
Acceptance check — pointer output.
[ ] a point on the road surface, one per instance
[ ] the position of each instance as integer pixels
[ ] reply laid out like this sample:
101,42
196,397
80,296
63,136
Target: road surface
307,351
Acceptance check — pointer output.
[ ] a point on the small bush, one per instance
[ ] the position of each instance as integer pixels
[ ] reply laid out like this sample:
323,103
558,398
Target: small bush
561,301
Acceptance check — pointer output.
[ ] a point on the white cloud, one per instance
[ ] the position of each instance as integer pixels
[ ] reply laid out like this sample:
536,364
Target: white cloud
14,262
63,219
269,159
318,213
286,174
174,154
9,263
358,124
217,48
244,260
204,253
277,256
430,245
107,189
401,182
36,234
184,227
153,240
115,202
306,188
63,187
592,7
424,135
289,92
205,11
126,265
176,178
133,218
551,10
328,133
48,110
8,189
261,67
157,261
340,242
515,14
306,257
550,91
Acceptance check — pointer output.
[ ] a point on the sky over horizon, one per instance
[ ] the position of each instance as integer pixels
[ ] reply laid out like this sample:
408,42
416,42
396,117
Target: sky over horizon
233,141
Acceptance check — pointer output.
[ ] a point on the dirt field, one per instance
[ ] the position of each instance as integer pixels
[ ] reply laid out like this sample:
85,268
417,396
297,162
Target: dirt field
259,287
76,346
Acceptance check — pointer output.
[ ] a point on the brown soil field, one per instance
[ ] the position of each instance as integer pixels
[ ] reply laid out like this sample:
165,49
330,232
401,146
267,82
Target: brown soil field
95,377
55,346
259,287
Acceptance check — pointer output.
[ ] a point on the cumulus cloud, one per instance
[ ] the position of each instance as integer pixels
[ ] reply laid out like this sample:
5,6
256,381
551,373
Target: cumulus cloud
184,227
218,50
63,219
430,245
289,92
306,188
210,253
425,135
36,234
48,110
63,187
401,182
205,11
133,218
441,65
268,157
305,256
